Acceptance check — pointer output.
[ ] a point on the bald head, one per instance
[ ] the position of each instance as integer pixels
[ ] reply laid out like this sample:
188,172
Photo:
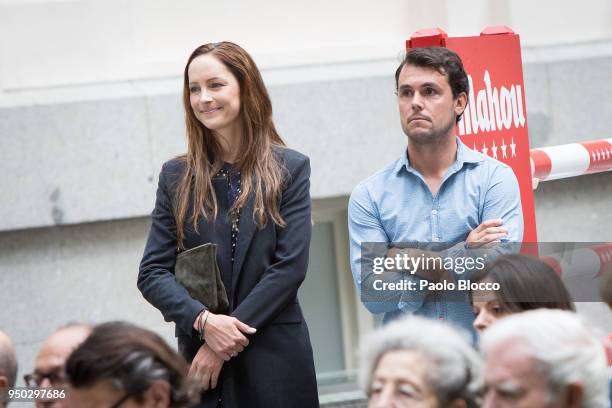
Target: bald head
53,355
8,362
57,348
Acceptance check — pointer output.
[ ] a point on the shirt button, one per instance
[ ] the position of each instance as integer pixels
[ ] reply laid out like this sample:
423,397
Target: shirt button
434,212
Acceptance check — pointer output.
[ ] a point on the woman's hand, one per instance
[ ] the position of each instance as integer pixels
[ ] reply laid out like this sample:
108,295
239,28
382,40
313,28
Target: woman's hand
206,367
224,335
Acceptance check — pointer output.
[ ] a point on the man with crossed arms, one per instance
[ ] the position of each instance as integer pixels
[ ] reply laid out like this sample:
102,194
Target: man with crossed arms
438,191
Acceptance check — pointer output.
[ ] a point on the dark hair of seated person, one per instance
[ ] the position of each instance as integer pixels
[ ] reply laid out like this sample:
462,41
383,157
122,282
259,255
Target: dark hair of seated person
133,359
526,283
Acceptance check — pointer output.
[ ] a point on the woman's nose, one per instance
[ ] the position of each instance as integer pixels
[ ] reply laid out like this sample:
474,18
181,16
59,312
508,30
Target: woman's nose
205,97
481,322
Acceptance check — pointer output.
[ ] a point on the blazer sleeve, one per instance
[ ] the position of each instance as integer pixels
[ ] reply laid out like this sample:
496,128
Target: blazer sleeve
156,279
281,280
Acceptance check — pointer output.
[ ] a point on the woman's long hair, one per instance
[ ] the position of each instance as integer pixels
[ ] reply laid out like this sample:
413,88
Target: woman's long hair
261,172
526,283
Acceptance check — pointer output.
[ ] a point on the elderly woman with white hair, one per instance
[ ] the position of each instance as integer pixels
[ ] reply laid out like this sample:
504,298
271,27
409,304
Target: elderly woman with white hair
417,362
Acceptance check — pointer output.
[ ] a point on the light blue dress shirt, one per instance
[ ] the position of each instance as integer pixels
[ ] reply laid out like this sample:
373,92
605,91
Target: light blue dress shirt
396,205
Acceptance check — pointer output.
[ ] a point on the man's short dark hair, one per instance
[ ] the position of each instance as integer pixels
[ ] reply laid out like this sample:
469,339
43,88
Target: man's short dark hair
443,60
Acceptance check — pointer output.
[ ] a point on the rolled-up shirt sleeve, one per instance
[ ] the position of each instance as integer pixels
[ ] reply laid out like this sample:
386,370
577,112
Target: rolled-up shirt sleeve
368,239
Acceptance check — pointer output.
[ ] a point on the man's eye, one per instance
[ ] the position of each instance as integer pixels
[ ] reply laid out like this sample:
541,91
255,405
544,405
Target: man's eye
406,92
510,395
407,391
429,91
376,388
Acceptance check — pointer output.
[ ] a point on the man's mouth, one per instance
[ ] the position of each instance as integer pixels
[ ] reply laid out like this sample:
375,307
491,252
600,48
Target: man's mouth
419,118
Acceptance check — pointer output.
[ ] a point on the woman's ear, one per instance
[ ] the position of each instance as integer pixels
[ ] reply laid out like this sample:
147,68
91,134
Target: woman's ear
158,395
458,403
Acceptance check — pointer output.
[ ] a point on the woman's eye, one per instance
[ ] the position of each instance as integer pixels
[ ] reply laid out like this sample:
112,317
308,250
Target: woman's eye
194,89
497,309
216,85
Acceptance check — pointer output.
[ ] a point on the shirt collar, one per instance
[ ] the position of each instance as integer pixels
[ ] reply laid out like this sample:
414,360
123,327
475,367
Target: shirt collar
464,155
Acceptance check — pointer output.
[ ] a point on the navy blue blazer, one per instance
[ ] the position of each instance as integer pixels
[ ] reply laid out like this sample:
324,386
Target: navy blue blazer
276,369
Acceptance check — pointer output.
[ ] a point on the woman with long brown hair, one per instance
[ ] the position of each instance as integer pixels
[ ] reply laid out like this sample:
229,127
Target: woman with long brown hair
240,188
525,283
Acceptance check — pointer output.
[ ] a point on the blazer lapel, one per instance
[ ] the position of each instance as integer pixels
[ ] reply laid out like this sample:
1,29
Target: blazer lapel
246,230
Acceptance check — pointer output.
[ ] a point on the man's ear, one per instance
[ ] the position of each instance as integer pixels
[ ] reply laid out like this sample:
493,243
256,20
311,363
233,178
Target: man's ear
460,103
3,382
574,393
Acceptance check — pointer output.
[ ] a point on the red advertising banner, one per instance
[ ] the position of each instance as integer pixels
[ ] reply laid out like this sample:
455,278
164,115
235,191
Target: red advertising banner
495,121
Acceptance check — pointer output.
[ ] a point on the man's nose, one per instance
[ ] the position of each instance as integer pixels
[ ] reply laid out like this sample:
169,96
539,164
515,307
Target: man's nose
489,400
385,399
417,101
45,382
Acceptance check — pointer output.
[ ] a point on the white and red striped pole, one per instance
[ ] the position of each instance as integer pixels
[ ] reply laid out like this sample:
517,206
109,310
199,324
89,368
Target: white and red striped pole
569,160
584,262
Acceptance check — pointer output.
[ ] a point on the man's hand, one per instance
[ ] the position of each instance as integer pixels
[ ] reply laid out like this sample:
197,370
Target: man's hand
224,335
487,232
206,367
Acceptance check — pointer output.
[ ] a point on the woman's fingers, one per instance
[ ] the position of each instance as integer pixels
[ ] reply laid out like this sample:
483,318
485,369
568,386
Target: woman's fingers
245,328
215,376
225,335
206,367
205,378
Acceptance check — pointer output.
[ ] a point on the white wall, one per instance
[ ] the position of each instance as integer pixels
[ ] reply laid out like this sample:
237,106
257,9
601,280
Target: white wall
65,42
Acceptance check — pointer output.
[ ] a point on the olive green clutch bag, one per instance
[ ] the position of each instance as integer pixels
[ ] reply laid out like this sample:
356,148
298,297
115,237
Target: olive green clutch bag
197,270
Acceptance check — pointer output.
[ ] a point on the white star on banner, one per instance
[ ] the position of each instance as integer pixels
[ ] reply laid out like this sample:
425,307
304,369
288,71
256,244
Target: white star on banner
484,149
494,148
503,149
608,153
598,156
593,156
513,148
